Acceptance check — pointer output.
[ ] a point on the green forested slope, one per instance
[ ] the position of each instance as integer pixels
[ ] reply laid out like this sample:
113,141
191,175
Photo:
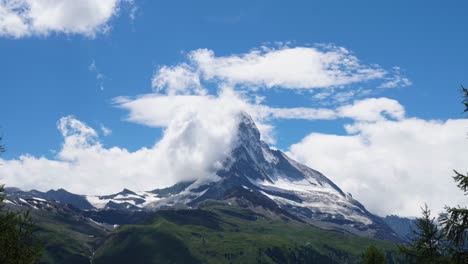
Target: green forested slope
218,233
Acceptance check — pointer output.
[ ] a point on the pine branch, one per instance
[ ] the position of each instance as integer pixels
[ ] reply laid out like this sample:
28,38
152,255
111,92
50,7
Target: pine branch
462,181
455,225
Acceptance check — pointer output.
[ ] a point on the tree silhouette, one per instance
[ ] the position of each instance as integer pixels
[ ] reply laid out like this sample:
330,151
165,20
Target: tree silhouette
455,219
426,246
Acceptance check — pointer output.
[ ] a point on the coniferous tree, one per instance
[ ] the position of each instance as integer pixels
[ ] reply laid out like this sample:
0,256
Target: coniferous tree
455,219
373,256
426,246
18,244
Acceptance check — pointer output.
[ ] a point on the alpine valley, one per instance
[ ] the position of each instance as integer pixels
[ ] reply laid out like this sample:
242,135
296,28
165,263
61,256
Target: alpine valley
261,207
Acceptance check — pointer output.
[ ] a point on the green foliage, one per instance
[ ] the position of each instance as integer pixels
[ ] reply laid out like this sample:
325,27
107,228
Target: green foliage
455,224
426,246
373,256
17,241
455,220
462,181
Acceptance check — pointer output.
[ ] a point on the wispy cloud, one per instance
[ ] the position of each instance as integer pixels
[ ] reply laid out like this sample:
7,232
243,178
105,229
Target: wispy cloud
99,76
396,79
105,130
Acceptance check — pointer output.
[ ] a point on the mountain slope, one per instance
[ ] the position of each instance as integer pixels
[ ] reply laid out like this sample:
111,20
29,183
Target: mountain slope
64,233
403,226
217,232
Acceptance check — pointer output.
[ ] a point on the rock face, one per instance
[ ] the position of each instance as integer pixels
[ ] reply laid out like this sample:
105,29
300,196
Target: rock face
260,177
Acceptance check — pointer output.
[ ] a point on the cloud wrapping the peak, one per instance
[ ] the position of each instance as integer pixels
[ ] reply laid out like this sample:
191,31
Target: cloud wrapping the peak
157,110
22,18
193,146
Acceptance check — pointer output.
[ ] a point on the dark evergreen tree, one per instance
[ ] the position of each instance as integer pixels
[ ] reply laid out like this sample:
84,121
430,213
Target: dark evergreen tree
455,220
18,244
373,256
426,247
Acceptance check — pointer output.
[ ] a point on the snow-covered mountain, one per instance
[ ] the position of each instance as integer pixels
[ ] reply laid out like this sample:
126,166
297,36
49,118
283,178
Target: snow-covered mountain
254,176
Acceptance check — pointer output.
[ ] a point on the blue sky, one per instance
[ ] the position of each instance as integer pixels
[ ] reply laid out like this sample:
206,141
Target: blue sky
44,78
54,72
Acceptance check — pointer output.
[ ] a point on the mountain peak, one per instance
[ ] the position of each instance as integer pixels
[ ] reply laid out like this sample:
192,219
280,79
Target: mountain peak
248,146
247,130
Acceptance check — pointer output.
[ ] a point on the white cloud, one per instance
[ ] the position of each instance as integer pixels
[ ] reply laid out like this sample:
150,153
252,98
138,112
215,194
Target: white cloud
396,80
157,110
392,166
193,146
300,113
99,76
284,67
11,23
336,97
298,67
373,109
105,130
177,80
22,18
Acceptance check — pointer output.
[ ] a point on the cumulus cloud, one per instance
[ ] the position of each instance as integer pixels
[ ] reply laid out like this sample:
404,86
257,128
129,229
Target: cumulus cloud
283,67
22,18
194,145
392,166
